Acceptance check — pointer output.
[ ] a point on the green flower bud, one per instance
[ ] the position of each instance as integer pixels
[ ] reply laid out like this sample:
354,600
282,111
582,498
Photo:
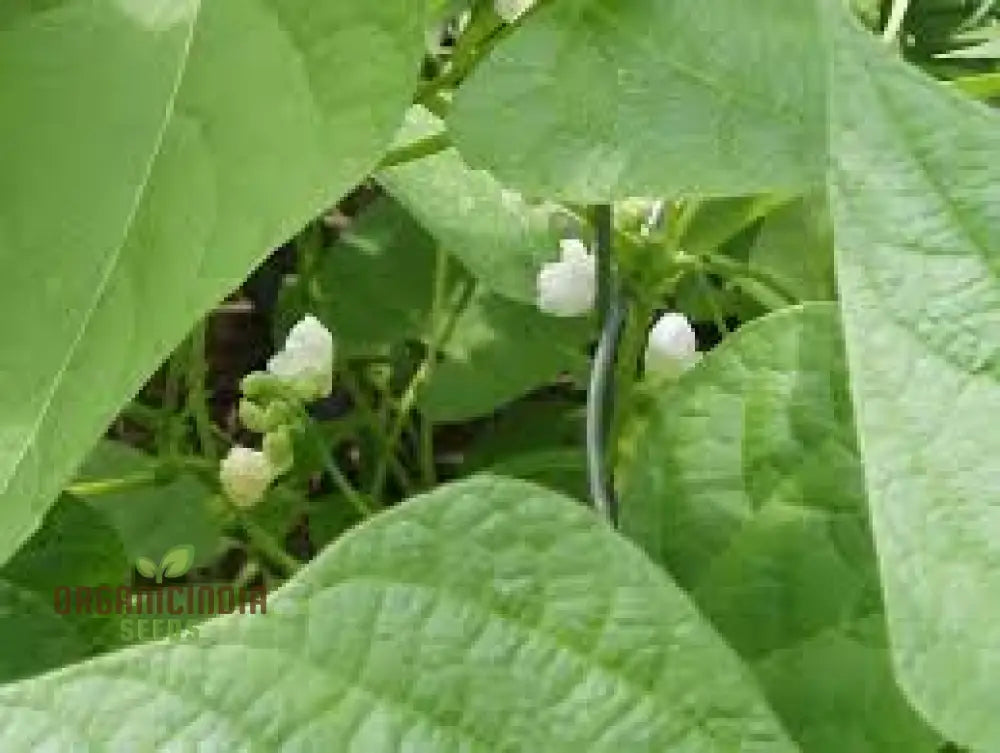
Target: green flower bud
253,416
279,451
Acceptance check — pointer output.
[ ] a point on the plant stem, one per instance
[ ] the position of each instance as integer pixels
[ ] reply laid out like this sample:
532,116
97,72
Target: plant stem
895,23
440,333
730,268
197,400
369,416
330,466
414,151
138,480
167,431
603,219
264,543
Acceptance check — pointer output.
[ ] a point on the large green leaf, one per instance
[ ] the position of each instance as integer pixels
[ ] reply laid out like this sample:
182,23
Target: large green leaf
499,351
748,487
74,547
499,237
375,286
488,616
914,187
153,153
593,99
154,519
795,247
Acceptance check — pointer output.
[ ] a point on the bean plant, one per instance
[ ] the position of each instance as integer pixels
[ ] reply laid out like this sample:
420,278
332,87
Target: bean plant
601,376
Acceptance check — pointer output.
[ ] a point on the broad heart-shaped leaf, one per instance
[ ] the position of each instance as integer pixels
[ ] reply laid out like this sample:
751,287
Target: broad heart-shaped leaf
490,615
499,237
915,186
153,153
599,99
747,486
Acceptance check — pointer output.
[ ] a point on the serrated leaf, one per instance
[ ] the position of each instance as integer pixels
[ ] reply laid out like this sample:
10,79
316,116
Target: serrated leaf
914,190
177,561
156,152
747,486
598,99
489,615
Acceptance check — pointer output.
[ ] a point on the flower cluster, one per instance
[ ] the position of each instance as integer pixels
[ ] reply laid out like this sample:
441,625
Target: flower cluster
272,403
568,288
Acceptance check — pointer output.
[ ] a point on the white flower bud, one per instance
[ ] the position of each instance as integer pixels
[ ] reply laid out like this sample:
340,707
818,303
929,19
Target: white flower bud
511,10
672,347
568,287
245,475
306,362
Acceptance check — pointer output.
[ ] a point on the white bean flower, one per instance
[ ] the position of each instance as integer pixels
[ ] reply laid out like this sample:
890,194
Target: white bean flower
511,10
306,361
672,347
245,475
568,287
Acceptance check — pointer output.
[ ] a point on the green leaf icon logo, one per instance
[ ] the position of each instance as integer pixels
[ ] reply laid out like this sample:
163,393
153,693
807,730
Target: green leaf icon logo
177,561
174,564
146,567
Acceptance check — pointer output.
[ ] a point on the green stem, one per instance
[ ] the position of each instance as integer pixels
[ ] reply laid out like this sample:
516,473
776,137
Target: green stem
345,487
983,86
439,336
414,151
197,399
167,434
266,545
370,417
730,268
711,296
138,480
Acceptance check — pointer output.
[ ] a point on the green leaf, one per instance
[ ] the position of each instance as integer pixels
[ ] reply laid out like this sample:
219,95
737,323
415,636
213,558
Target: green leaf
375,286
598,99
917,222
795,247
499,351
489,615
75,547
499,237
177,561
37,638
146,567
155,152
152,519
747,486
